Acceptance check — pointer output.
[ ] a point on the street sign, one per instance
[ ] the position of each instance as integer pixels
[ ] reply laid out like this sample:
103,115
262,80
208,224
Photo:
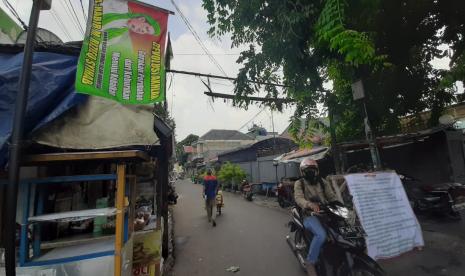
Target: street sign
357,90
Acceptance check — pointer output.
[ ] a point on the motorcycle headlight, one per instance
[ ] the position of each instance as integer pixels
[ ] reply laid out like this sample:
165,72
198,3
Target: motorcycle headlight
341,211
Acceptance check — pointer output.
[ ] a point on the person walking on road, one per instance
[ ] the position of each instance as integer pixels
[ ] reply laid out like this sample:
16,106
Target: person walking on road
309,192
210,188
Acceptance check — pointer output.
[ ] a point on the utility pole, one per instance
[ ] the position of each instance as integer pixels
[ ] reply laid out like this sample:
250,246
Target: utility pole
359,94
332,132
274,149
17,135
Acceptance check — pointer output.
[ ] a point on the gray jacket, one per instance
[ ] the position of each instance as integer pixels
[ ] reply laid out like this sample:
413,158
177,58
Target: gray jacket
305,193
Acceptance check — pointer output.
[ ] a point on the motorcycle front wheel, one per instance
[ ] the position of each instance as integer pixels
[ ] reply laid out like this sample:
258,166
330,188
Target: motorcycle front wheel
301,248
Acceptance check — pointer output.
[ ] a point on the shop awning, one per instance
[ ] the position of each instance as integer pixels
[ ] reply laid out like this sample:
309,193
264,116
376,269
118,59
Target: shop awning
101,124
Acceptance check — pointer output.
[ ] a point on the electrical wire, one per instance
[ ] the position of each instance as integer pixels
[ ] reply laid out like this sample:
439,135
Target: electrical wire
223,84
60,24
73,13
15,14
83,12
253,118
76,17
69,14
199,40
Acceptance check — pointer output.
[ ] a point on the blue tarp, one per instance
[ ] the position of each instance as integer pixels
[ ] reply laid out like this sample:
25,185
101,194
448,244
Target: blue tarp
51,92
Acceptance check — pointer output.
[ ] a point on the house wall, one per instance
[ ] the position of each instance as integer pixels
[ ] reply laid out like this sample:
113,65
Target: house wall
209,149
455,140
263,170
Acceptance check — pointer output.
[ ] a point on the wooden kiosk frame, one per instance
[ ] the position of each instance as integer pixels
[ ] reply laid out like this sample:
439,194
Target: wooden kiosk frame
123,225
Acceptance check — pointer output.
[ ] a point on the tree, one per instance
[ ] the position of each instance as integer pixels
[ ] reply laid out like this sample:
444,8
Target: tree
231,174
387,44
180,154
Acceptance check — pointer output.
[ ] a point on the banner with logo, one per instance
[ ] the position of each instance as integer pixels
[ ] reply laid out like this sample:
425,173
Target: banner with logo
122,55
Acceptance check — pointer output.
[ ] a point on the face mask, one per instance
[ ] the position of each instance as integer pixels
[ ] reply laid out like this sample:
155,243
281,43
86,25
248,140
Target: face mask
310,175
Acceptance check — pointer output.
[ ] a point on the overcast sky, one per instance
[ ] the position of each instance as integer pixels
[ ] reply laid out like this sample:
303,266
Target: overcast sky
193,111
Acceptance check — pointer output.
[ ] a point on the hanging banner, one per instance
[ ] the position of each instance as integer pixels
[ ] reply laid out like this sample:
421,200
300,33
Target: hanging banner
385,213
122,55
9,30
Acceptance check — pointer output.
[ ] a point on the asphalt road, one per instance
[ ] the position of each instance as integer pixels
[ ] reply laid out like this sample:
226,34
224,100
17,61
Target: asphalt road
249,236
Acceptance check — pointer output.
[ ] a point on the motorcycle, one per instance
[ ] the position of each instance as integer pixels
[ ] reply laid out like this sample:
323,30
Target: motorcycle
247,193
285,192
172,196
344,251
444,199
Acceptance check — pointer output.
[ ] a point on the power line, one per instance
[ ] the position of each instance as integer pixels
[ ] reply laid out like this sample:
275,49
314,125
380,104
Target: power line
222,77
76,17
253,118
253,99
68,15
15,14
83,12
66,8
222,84
197,37
60,24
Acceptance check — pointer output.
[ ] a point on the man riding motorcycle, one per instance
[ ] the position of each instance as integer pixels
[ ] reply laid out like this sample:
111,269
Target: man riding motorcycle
309,192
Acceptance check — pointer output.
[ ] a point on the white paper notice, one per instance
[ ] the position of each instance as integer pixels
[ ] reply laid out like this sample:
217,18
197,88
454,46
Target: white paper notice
385,213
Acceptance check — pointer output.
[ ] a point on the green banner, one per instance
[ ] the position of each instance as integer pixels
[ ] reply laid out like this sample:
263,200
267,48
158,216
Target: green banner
122,55
9,30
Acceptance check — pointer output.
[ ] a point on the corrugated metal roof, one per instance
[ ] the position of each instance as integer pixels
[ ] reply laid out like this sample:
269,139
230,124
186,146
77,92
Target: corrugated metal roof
225,134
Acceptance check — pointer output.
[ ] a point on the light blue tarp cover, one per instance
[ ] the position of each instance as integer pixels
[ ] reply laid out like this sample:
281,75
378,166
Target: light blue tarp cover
51,92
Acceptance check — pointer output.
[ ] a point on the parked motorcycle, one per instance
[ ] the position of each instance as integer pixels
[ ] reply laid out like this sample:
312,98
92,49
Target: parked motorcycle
445,199
344,251
285,192
247,192
172,196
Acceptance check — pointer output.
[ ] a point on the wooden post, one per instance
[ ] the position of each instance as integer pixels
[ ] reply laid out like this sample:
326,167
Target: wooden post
119,231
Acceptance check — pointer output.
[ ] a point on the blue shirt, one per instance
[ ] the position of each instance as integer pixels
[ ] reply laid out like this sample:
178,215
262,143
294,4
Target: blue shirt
210,183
